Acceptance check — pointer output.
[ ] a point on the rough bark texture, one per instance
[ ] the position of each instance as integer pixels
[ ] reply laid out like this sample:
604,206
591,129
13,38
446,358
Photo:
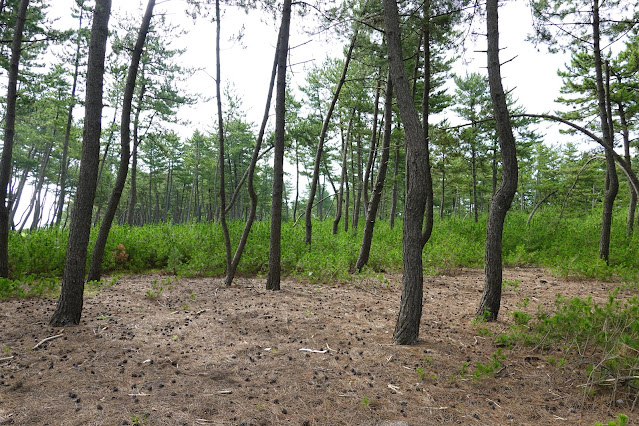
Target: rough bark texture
410,309
373,205
69,308
503,196
320,145
95,270
230,273
428,181
9,132
612,182
275,244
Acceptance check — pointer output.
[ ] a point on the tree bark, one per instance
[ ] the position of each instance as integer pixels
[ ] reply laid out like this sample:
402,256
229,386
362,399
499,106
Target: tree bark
632,204
373,147
69,308
64,164
320,145
230,273
410,309
428,178
275,243
133,190
503,196
9,133
373,205
95,269
343,175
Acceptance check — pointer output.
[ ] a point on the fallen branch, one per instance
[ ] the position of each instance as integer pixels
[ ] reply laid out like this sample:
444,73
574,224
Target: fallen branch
46,340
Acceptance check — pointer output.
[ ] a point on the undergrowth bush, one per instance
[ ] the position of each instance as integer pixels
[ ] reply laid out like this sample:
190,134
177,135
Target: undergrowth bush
607,335
569,247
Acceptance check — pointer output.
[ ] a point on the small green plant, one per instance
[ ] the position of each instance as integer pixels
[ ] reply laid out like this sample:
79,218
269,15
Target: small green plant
365,402
484,332
521,318
621,420
7,349
192,297
464,369
420,371
514,284
524,303
428,360
556,362
490,367
185,307
155,291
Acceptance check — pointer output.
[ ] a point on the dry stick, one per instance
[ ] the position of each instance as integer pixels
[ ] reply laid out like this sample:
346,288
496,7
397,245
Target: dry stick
7,358
46,340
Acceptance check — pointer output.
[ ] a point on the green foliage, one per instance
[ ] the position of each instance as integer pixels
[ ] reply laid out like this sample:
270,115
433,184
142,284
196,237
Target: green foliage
609,332
621,420
490,367
569,247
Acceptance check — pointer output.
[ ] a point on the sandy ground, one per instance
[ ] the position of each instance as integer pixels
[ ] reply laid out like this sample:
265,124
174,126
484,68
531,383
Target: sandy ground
154,349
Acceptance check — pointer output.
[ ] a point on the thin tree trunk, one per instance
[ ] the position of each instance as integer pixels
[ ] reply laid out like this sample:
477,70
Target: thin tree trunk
395,191
9,133
69,308
612,181
410,309
503,197
373,205
230,274
95,269
133,190
275,243
373,147
320,144
632,204
428,178
220,123
67,132
360,185
343,176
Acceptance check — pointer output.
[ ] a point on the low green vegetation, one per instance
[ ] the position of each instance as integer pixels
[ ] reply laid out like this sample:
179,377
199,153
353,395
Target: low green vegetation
569,247
605,336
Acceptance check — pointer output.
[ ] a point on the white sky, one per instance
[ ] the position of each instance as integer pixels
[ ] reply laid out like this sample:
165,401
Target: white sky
247,65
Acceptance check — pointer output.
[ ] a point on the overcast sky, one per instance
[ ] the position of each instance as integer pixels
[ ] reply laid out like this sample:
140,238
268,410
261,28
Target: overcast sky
532,73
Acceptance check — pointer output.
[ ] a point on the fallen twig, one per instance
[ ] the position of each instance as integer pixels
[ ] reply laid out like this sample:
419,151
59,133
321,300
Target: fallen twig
7,358
46,340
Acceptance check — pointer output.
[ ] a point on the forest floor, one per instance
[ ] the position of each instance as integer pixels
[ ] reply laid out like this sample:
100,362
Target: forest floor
154,349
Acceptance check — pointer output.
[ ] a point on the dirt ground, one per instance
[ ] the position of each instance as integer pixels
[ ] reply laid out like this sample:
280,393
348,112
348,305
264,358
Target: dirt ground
158,350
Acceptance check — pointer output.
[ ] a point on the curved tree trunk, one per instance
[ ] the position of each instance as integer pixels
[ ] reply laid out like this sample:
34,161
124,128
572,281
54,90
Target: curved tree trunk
9,133
503,196
95,270
343,176
220,123
373,147
230,273
69,308
320,145
410,309
612,182
275,243
373,205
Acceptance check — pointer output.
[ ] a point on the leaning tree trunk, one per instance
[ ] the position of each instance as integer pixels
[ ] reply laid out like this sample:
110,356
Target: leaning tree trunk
373,205
503,196
320,145
373,146
230,273
9,132
69,308
220,124
275,243
410,309
95,270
